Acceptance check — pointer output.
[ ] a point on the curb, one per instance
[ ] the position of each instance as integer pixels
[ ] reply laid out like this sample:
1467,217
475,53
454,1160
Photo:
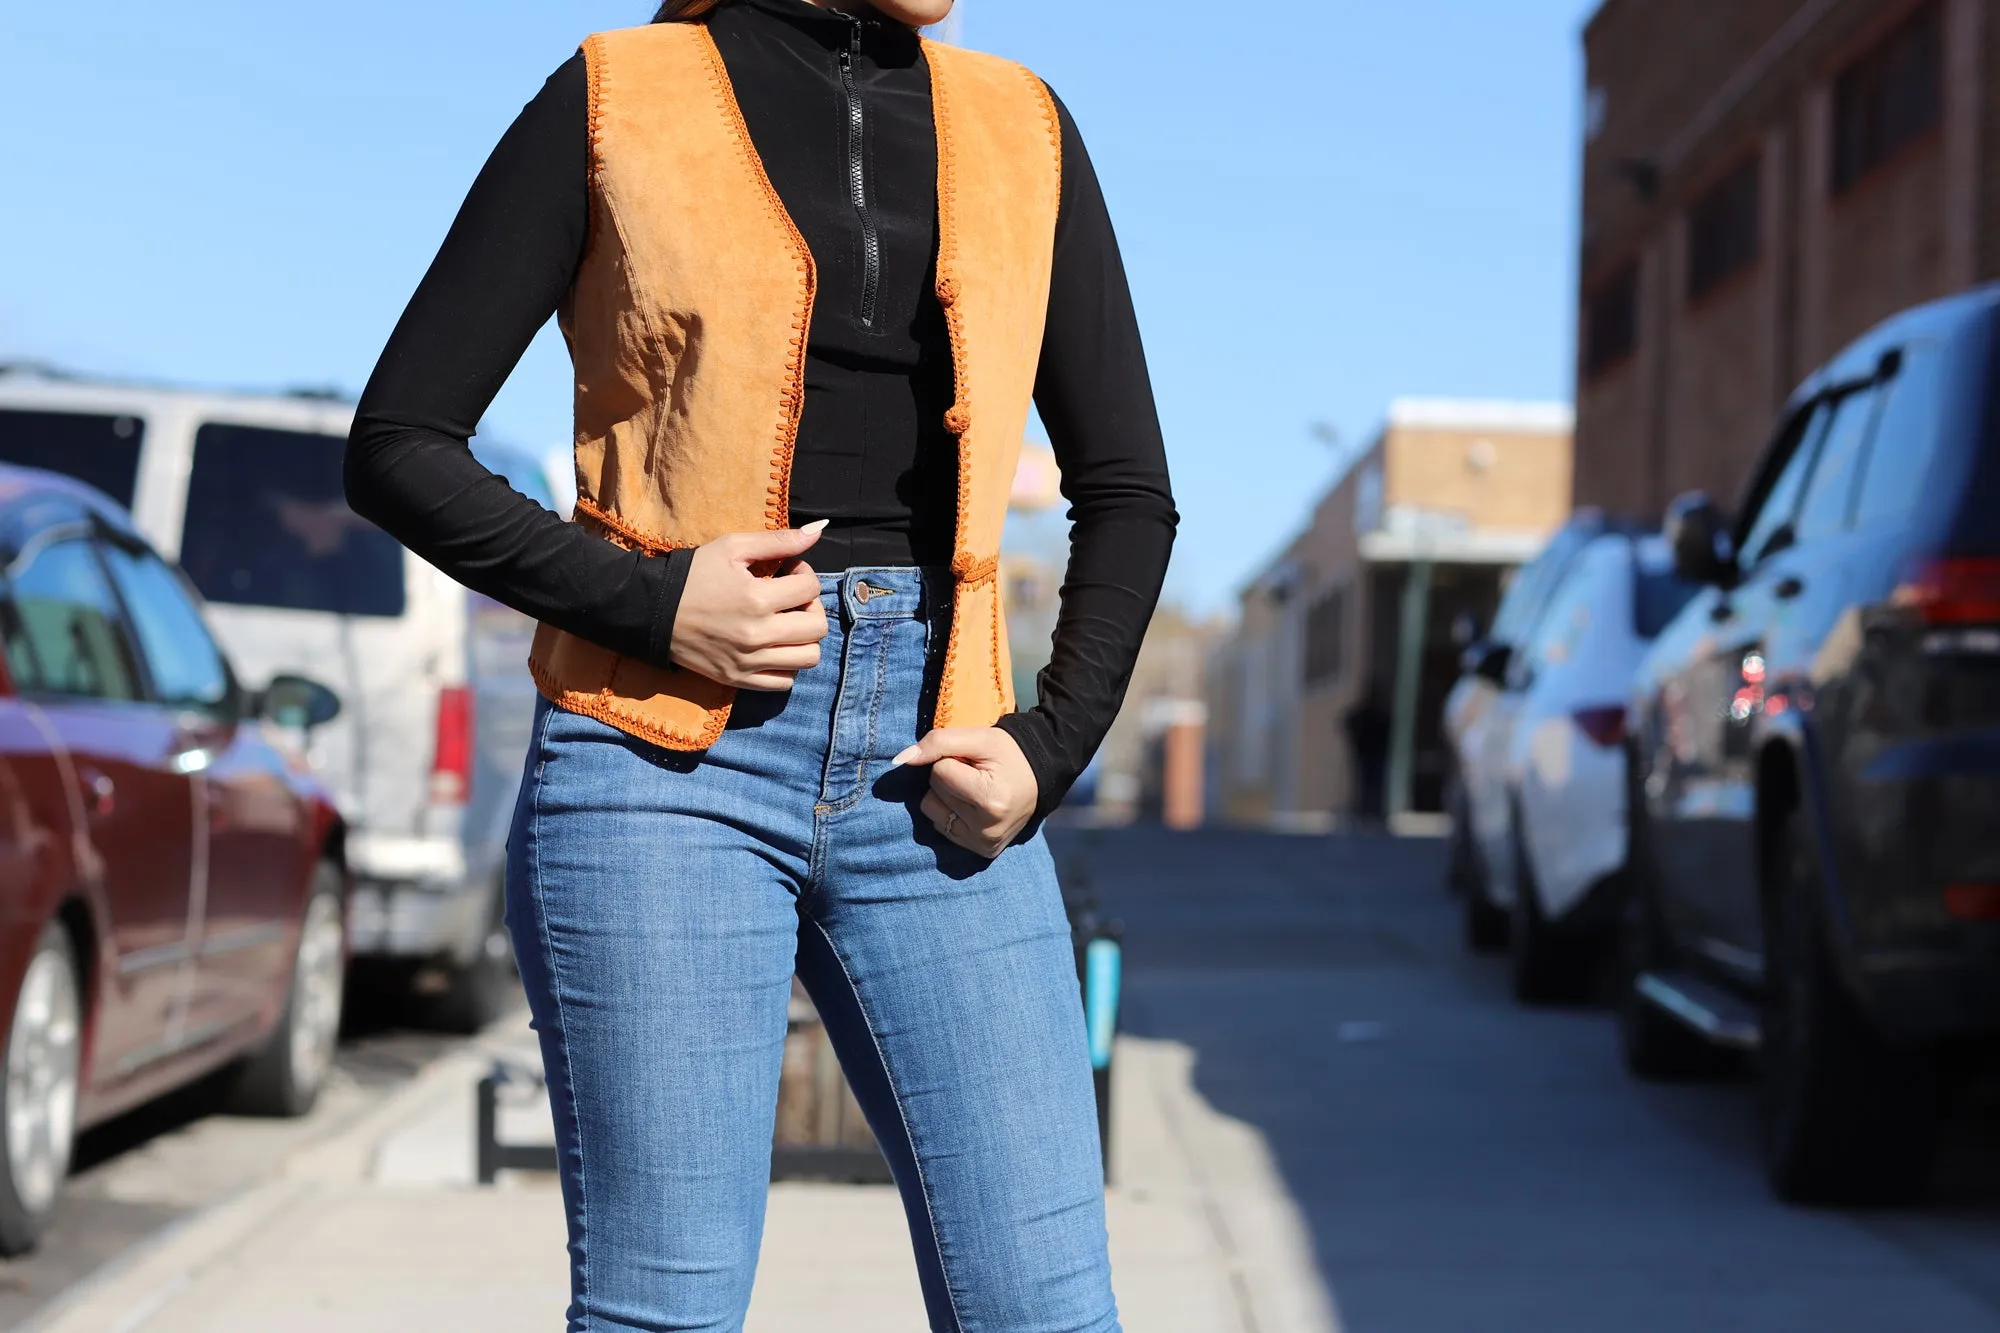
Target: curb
125,1293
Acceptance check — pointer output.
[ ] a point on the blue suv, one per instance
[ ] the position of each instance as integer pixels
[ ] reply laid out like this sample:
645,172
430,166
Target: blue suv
1816,764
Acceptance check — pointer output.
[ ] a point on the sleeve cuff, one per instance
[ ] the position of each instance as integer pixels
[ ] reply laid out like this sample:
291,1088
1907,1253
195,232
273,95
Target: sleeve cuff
1031,731
673,576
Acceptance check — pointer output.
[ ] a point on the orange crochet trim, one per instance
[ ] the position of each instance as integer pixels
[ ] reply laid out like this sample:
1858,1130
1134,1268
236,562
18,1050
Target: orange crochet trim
1048,104
778,496
959,419
999,615
623,533
601,707
594,58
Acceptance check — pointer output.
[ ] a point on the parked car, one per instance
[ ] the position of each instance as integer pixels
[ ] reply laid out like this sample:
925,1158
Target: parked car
171,883
1552,763
1817,753
425,759
1474,714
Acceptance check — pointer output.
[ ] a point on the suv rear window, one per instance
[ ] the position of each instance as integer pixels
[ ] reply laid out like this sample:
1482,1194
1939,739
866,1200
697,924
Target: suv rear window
100,451
268,525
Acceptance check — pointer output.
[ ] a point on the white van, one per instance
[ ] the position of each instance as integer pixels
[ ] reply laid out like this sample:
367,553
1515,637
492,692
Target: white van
425,757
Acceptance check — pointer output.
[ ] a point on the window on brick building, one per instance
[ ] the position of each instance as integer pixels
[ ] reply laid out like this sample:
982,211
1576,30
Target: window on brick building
1725,228
1326,637
1889,97
1611,321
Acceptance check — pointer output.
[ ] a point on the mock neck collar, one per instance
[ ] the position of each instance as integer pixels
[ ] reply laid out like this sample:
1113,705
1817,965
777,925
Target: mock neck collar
805,12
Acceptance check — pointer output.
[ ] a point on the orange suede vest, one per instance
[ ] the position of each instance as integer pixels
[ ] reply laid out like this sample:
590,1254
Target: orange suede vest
687,326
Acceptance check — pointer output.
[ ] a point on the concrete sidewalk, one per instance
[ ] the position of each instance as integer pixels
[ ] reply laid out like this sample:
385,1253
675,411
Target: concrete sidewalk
382,1229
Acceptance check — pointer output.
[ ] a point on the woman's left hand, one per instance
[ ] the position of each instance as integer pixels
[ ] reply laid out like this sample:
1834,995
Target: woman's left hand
983,792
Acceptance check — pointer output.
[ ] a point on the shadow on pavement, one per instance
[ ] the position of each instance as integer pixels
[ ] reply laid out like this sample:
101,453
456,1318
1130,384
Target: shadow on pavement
1463,1162
140,1172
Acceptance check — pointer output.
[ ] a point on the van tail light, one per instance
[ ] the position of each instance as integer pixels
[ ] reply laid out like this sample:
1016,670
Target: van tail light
1954,590
1604,725
451,768
1973,902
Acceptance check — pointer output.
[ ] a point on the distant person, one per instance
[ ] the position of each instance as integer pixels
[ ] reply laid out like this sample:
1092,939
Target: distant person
1368,725
808,302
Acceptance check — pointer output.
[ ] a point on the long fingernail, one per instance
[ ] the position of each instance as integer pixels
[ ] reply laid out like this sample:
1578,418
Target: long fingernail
817,525
903,758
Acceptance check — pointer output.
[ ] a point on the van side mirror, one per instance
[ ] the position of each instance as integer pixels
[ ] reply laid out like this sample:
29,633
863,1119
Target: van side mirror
1488,659
1698,535
297,701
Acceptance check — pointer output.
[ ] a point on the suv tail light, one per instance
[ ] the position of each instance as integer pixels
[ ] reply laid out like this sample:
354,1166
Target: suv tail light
1604,725
451,767
1973,902
1953,590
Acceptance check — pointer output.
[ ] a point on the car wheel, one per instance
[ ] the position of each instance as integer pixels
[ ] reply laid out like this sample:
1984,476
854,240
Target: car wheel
1550,965
285,1077
1847,1117
486,989
39,1095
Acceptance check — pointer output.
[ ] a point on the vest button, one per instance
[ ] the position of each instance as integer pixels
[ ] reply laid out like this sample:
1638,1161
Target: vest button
958,420
947,292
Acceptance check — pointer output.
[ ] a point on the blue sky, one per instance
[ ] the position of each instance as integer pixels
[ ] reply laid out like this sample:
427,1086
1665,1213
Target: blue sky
1322,207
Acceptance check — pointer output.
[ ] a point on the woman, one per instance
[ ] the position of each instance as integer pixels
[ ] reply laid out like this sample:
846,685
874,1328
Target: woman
811,270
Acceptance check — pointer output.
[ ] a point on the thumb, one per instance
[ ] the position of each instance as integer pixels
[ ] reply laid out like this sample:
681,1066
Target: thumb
784,544
947,743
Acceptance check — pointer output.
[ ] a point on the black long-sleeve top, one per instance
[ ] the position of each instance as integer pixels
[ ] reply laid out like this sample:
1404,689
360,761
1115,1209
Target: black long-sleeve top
874,456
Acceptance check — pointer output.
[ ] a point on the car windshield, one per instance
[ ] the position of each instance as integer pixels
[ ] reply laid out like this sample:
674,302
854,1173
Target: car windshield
268,525
98,450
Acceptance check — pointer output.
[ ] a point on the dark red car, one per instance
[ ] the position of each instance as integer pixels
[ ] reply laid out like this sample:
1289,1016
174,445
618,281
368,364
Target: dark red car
172,898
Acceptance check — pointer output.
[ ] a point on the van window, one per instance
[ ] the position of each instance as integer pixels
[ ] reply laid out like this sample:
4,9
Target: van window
268,525
1830,493
1906,439
100,451
69,635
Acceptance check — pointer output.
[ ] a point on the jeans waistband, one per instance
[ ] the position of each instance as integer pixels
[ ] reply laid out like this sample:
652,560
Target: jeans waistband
906,592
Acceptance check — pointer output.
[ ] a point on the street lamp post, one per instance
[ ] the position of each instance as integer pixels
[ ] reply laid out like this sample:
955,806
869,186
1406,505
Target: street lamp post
1414,621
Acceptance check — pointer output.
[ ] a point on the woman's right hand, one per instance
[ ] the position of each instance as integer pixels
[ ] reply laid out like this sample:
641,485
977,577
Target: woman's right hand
754,631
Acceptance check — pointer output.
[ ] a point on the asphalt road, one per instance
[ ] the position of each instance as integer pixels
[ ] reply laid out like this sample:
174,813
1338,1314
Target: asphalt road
1467,1164
146,1170
1460,1162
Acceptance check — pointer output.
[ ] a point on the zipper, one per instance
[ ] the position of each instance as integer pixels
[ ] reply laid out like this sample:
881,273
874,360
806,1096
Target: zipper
857,175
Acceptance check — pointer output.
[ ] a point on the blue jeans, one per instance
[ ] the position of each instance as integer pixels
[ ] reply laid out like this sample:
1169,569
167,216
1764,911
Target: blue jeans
660,903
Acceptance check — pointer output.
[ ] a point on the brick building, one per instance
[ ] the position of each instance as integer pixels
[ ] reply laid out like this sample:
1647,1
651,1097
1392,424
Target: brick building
1451,495
1762,181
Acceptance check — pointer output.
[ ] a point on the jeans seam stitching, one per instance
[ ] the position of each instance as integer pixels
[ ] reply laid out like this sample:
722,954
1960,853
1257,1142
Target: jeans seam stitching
875,704
562,1024
896,1094
815,863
